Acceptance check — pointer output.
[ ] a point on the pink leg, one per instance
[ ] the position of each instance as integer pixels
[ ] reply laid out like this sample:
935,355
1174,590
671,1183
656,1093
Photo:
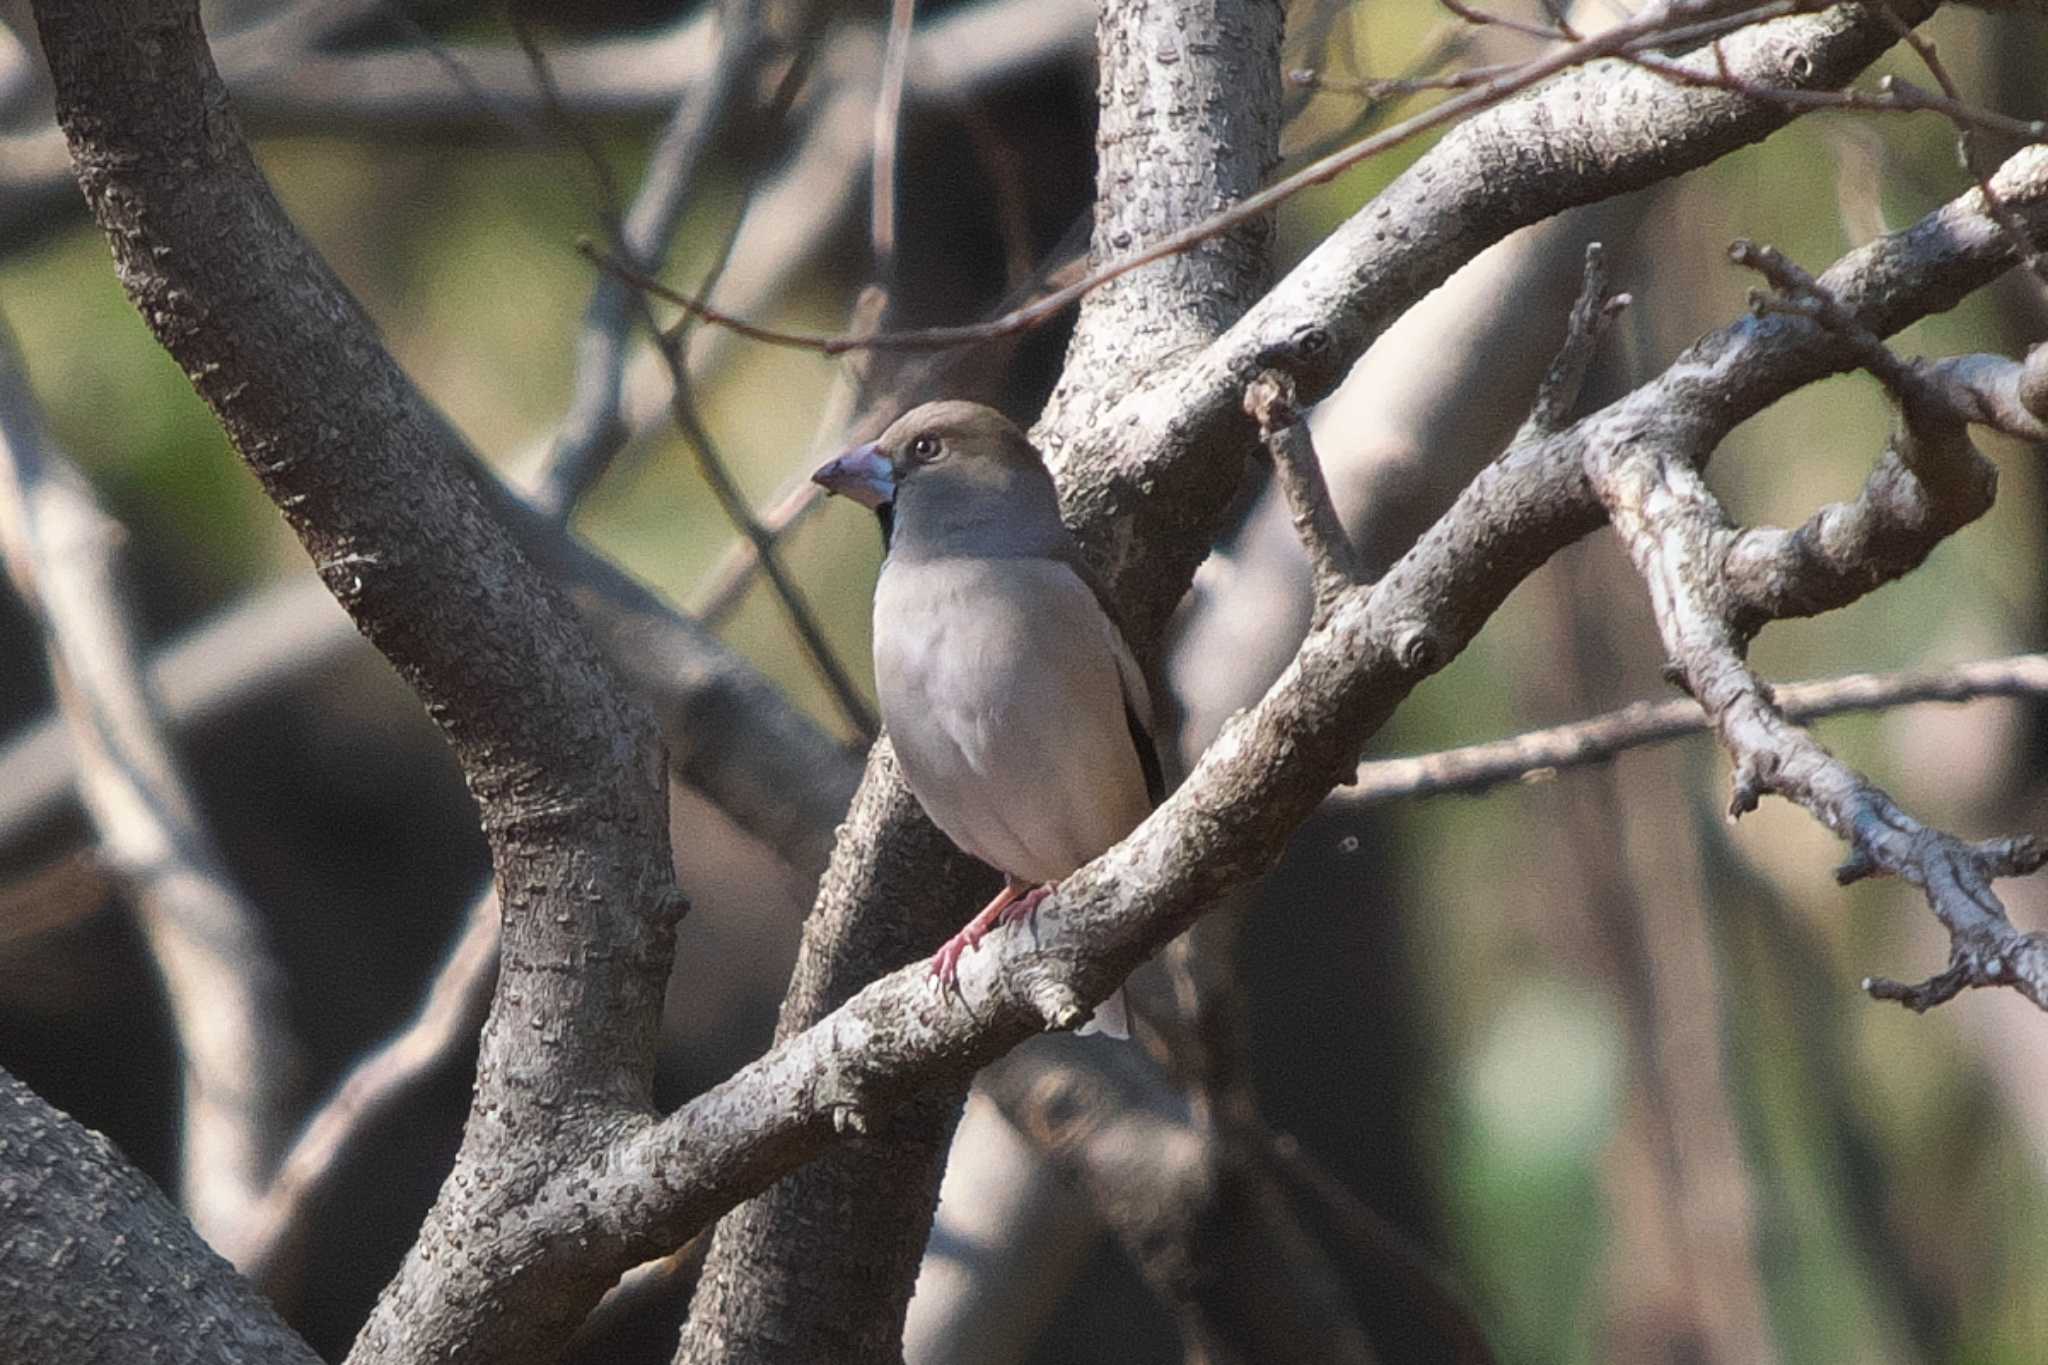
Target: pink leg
1001,910
1025,907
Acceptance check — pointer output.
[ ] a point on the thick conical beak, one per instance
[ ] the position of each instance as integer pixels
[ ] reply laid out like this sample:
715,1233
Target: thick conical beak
861,474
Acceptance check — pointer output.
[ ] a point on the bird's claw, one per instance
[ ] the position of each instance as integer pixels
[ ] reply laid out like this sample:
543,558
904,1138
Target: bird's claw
946,961
1025,908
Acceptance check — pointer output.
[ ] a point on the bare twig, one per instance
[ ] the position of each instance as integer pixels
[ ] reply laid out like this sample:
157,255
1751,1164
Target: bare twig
1966,140
1979,390
1591,314
1541,754
795,605
448,1018
224,989
1655,18
1332,558
592,427
1892,96
1478,18
592,430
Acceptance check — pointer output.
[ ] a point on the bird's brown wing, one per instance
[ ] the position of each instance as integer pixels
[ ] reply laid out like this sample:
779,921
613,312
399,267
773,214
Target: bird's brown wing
1137,695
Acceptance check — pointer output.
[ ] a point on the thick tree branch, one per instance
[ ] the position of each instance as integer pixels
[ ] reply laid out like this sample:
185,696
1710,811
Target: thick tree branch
567,771
97,1268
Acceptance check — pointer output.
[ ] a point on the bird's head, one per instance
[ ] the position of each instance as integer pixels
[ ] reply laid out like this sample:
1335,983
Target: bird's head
949,477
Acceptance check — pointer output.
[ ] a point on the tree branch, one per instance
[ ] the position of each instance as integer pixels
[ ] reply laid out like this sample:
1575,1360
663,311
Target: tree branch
224,987
1541,754
1333,564
76,1211
1587,135
448,1018
1687,552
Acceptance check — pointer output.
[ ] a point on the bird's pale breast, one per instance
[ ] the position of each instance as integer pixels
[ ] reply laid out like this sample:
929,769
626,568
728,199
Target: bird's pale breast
999,683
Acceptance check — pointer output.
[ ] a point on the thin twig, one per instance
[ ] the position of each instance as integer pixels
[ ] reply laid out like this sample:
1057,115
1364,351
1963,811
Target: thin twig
1893,96
796,607
1333,560
1541,754
449,1016
644,238
1656,18
1966,141
1483,19
592,431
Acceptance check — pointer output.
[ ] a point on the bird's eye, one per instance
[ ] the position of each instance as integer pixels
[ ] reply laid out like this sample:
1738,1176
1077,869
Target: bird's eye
925,447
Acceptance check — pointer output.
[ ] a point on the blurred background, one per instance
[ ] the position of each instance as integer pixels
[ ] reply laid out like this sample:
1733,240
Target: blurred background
1596,1052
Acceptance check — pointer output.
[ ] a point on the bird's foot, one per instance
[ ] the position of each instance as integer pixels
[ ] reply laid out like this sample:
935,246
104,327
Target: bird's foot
946,961
1025,907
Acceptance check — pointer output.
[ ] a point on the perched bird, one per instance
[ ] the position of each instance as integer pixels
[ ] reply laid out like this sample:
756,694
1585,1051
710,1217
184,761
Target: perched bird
1020,718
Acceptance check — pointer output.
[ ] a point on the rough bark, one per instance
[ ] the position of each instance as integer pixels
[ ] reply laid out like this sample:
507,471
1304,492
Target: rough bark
97,1267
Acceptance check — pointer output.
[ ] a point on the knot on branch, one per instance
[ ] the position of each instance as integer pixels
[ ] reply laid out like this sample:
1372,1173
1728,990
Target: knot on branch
1419,649
1269,400
1756,774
